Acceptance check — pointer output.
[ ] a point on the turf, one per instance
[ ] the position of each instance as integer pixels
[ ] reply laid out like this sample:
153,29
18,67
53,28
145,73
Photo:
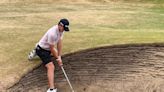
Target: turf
93,24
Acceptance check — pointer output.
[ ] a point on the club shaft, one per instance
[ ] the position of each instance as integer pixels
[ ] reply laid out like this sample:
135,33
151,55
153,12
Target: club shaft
67,78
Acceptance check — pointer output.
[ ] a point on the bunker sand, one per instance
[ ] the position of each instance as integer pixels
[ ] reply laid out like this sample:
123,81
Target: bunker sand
121,68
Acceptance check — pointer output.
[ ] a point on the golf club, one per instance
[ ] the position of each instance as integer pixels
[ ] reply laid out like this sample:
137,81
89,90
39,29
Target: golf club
67,78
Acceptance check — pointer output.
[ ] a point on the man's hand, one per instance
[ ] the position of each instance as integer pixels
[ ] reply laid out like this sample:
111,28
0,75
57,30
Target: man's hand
59,60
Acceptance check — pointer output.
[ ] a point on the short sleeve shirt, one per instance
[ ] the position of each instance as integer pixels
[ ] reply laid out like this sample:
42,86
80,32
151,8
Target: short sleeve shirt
51,37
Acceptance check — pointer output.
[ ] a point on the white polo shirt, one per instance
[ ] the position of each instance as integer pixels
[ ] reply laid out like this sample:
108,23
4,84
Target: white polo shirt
51,37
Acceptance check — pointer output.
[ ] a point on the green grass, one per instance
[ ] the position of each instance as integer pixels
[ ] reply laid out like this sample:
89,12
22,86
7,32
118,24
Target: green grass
92,25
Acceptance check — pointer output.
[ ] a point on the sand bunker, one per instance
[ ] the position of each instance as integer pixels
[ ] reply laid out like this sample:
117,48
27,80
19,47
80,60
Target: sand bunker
125,68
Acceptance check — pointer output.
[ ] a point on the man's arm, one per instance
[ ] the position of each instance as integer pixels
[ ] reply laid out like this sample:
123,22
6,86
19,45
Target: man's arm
54,51
59,48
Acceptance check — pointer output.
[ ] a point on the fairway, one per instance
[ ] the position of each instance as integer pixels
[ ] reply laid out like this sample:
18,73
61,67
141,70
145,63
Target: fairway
93,24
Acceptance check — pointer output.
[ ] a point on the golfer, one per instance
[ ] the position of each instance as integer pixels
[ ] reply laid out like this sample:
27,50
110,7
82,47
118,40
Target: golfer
46,47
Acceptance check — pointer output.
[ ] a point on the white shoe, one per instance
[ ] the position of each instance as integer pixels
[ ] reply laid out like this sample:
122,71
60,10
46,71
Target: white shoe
52,90
32,54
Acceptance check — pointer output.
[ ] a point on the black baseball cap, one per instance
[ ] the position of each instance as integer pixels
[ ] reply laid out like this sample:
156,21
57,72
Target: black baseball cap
65,23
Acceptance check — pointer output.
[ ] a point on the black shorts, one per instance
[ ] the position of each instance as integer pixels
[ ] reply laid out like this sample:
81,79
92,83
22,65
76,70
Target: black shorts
44,55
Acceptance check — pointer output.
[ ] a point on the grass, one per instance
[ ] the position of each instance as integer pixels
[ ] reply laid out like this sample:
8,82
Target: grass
92,25
152,1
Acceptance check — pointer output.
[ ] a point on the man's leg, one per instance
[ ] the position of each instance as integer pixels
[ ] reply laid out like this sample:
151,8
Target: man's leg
50,74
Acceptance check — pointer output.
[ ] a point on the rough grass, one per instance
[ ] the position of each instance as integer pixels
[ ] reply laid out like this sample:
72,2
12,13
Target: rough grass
92,25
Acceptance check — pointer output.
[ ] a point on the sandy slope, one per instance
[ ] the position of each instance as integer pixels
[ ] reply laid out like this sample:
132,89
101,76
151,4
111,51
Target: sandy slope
126,68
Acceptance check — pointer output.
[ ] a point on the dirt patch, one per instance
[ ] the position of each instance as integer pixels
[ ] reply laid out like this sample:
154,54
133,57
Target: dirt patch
125,68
